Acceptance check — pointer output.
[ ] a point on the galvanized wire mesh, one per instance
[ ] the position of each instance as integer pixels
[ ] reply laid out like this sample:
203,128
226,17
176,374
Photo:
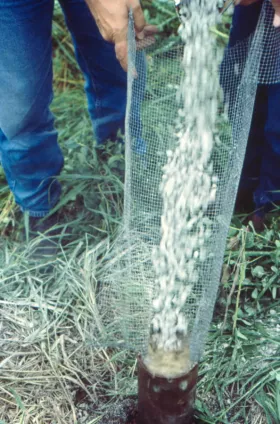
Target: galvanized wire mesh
161,97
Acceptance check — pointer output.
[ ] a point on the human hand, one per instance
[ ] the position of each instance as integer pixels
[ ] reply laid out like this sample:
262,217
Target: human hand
111,17
276,5
148,40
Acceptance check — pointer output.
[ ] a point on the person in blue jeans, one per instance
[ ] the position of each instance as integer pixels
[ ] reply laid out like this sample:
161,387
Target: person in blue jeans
29,151
260,179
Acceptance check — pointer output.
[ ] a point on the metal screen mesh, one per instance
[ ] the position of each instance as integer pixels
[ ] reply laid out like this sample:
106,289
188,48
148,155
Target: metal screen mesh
172,83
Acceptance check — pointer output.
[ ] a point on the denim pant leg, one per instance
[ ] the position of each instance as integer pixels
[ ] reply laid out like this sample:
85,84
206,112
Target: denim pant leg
244,23
261,171
269,186
31,157
106,82
250,177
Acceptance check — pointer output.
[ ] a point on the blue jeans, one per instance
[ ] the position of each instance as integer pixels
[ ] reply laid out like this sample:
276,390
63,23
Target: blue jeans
261,170
29,151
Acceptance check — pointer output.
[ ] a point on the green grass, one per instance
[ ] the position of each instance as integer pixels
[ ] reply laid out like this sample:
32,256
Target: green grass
242,362
51,367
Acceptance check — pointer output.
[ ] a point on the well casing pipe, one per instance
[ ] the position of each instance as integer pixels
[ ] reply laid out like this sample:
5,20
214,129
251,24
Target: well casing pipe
165,400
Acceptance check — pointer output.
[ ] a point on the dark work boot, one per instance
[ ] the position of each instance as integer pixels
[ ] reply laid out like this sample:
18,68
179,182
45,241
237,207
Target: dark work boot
43,236
258,221
244,202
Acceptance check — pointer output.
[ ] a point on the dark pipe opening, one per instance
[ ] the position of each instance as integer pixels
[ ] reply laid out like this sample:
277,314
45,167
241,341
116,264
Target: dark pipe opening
165,400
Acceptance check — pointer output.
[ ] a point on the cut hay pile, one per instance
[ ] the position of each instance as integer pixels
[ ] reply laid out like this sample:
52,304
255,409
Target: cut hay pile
51,368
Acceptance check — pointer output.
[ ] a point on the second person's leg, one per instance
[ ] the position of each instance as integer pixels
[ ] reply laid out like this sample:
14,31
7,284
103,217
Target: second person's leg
106,82
269,187
244,23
